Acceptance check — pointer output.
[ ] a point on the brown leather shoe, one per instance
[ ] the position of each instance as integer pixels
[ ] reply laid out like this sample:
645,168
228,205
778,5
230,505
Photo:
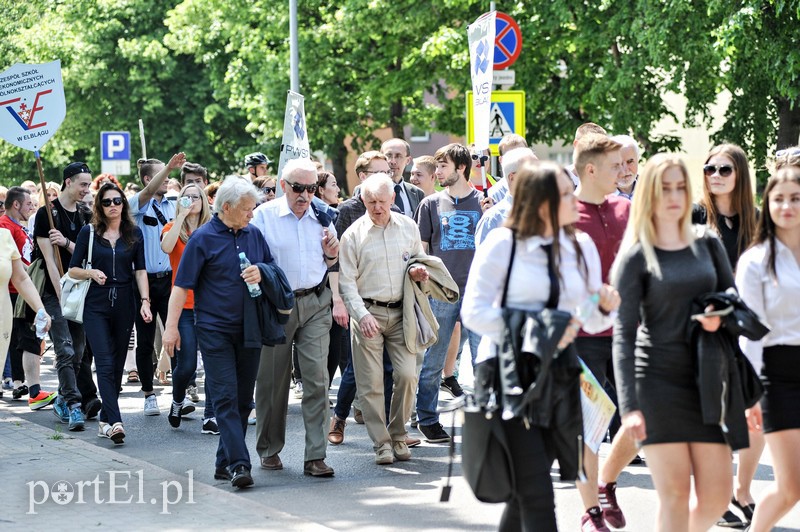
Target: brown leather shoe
273,463
358,416
317,468
336,432
412,442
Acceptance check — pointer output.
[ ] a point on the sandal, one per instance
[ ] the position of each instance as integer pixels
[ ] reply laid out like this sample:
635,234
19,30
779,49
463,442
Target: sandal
104,430
117,433
162,378
133,377
746,509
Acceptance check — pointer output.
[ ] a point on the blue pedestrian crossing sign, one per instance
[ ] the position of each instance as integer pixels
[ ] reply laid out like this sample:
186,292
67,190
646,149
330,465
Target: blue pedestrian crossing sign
507,115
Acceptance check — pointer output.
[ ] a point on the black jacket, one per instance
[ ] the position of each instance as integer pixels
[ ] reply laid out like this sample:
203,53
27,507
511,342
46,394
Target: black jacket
549,382
265,316
719,383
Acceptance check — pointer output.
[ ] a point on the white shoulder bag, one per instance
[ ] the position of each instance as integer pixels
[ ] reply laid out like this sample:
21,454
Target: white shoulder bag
73,291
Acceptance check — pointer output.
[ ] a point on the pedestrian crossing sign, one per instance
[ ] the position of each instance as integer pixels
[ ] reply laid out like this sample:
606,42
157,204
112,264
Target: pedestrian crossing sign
507,115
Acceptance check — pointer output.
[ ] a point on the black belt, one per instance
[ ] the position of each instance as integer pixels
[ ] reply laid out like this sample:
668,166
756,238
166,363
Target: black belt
313,290
159,275
386,304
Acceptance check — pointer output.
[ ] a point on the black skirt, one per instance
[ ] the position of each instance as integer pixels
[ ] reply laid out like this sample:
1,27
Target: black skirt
781,377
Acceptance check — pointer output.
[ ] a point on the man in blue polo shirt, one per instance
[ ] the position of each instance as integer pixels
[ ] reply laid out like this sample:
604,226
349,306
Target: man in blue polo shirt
210,266
152,211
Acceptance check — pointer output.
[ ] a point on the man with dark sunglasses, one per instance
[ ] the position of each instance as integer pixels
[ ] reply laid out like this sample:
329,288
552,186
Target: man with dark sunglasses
303,242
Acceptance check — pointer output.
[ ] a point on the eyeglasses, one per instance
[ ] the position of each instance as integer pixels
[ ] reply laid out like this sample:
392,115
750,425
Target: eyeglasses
297,188
377,171
108,201
270,190
193,197
724,170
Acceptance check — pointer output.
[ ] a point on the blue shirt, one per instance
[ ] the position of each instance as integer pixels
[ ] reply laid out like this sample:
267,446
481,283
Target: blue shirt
493,218
148,221
118,263
210,267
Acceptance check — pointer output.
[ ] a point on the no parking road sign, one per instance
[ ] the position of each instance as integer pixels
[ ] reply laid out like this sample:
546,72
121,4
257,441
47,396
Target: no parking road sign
507,115
507,41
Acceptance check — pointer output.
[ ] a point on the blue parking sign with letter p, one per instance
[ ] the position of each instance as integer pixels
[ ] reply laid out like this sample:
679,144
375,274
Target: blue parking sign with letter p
115,145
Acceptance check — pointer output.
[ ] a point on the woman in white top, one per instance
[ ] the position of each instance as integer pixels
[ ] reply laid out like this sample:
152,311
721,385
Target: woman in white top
544,206
768,279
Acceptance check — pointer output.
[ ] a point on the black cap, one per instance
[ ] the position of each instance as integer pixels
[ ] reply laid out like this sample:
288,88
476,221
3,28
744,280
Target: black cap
74,169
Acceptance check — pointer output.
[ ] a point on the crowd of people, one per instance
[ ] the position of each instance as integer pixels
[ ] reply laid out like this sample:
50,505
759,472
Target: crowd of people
277,282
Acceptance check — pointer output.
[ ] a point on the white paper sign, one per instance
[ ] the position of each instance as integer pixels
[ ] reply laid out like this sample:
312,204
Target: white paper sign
32,104
481,60
295,134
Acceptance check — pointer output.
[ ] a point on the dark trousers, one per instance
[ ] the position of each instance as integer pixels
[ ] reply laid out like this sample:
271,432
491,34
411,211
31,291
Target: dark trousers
85,378
533,505
160,288
231,371
347,386
68,342
23,338
108,318
338,350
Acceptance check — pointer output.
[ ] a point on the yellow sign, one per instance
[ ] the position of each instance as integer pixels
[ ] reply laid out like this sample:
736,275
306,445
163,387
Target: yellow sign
507,115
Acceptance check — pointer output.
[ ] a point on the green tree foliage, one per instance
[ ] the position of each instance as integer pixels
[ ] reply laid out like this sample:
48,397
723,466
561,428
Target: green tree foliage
209,77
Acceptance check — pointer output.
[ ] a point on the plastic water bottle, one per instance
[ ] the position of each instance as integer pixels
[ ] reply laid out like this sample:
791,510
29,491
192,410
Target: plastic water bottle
587,308
253,288
40,322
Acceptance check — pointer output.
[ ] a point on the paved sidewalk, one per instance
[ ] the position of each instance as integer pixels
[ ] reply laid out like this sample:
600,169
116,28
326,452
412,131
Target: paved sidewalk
60,482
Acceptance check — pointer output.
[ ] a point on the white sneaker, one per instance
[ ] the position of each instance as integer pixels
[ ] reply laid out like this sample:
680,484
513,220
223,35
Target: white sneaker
298,390
151,406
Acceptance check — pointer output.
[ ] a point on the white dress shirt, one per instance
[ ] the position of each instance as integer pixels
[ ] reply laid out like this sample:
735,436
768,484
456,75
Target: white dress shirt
773,300
296,244
529,285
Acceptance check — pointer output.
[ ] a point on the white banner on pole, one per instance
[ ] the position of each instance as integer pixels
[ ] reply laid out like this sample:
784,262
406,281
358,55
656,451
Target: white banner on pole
481,60
32,104
295,135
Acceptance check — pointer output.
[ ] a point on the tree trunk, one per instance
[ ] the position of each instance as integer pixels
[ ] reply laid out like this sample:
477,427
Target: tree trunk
339,160
396,120
788,123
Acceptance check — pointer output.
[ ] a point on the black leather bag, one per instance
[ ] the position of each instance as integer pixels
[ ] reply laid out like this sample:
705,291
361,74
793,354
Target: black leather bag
485,457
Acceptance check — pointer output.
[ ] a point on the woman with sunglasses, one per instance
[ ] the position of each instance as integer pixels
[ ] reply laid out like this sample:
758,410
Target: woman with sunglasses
192,212
110,306
266,185
727,209
660,269
768,279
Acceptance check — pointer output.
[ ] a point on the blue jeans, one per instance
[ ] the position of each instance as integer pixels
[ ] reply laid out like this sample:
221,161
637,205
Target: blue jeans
347,386
431,373
185,362
231,371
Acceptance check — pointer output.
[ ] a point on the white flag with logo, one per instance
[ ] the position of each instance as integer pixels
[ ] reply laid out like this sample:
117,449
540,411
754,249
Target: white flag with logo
481,60
295,135
32,104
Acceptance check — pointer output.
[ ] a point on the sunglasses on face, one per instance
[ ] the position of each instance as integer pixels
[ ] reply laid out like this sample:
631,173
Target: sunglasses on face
108,201
270,190
297,188
724,170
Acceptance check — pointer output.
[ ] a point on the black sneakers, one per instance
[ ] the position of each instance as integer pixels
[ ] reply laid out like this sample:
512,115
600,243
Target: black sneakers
434,433
450,385
174,416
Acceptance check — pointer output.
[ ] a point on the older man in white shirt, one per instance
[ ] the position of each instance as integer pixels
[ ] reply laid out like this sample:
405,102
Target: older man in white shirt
304,244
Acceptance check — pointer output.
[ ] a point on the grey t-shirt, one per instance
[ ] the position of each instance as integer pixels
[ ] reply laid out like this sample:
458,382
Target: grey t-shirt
448,225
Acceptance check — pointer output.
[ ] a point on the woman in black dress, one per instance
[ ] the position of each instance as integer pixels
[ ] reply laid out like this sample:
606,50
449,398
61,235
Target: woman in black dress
660,269
727,208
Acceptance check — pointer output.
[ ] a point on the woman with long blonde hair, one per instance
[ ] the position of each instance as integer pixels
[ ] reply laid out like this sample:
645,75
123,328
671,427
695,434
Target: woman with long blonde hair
192,212
662,266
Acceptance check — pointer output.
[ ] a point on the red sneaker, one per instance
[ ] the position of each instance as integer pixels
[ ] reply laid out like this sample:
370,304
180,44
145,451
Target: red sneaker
592,521
608,502
41,400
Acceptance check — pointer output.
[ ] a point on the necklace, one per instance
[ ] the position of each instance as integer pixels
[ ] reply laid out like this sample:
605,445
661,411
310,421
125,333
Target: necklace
70,218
